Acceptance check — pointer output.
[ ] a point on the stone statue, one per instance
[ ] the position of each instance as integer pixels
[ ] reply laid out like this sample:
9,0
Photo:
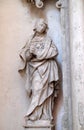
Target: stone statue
39,61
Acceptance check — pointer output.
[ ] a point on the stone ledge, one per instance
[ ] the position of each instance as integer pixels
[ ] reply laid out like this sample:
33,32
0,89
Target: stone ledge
39,124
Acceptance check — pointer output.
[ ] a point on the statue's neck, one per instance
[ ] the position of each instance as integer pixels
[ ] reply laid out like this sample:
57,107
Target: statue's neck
40,34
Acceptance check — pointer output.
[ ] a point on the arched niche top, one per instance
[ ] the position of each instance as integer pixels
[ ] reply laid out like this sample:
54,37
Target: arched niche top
40,3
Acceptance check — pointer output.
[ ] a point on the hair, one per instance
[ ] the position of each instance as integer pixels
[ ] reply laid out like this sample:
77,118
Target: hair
37,23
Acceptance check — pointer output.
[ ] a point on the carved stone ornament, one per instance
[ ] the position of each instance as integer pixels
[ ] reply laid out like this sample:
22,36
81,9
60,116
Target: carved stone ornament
59,4
40,3
39,61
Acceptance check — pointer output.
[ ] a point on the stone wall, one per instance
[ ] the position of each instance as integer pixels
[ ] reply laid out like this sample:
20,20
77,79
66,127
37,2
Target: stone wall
16,23
77,62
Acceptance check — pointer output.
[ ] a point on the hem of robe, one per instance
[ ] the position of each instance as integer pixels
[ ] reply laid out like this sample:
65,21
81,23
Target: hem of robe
30,111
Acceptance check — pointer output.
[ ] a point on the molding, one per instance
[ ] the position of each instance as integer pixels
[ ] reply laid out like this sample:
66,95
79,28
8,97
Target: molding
66,67
59,4
39,3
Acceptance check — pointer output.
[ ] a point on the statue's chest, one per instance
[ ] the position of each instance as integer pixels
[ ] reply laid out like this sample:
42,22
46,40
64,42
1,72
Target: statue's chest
38,43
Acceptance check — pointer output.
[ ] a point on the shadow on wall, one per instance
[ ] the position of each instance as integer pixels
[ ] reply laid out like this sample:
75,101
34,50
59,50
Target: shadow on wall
34,11
58,112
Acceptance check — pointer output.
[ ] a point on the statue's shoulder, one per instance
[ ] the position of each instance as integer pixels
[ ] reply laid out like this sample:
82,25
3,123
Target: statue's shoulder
48,39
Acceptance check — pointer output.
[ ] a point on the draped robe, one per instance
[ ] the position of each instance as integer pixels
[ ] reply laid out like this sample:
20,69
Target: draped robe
43,74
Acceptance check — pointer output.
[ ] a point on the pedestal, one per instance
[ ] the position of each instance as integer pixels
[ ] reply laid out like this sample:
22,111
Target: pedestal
39,125
39,129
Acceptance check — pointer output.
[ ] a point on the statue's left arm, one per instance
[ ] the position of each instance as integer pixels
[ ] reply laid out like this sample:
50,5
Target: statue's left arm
52,52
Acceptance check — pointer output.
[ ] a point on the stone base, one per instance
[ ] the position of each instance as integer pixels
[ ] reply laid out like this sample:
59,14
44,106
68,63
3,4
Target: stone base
38,128
39,125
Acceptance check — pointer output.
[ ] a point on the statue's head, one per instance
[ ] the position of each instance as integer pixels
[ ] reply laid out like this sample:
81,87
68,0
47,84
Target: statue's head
40,26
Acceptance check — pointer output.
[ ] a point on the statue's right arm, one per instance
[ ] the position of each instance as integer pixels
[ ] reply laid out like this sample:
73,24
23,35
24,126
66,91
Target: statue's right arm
28,55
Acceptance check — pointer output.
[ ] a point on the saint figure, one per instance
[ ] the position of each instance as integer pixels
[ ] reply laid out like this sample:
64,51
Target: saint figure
39,61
